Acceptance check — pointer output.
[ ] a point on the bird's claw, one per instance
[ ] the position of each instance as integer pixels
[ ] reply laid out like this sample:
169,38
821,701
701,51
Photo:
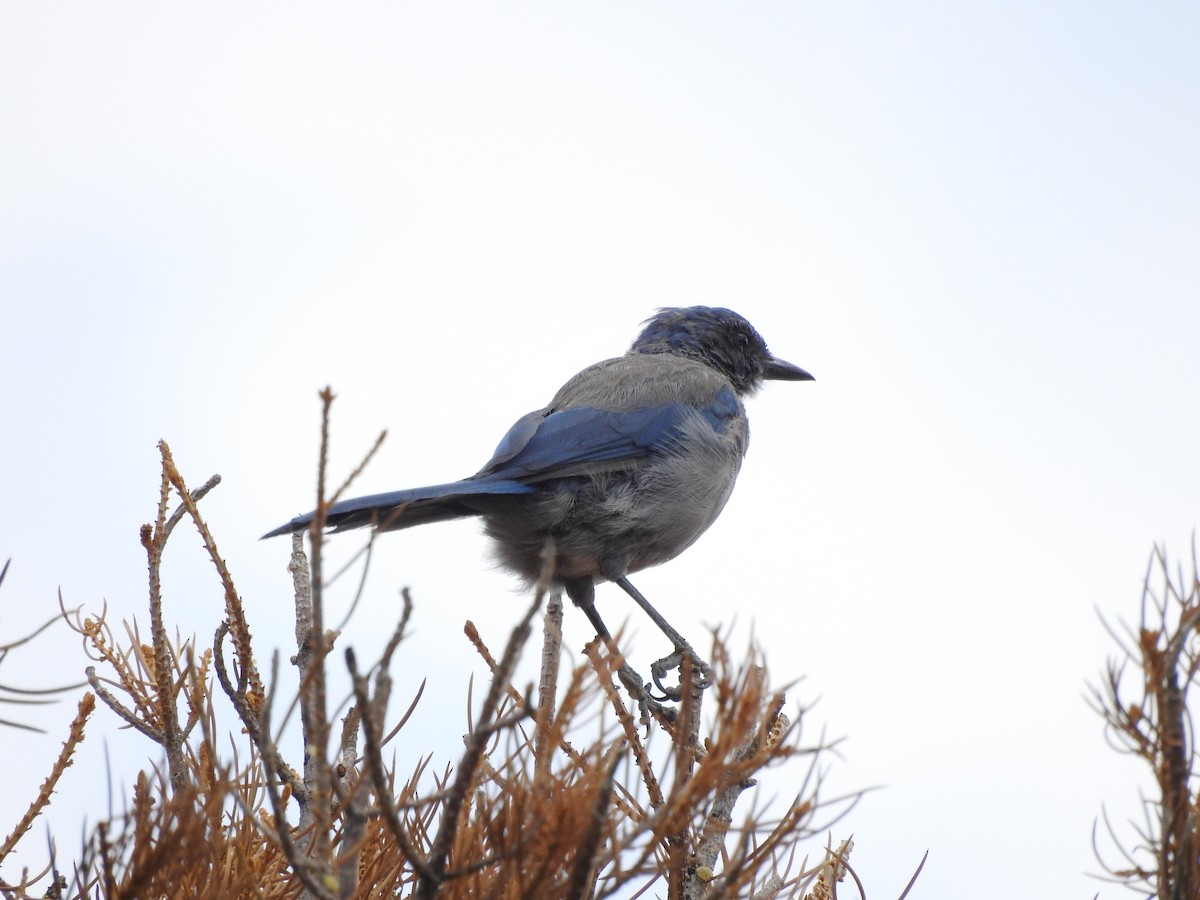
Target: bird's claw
659,670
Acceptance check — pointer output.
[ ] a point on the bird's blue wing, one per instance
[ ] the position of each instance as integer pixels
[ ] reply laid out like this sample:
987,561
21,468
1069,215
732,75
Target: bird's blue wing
545,445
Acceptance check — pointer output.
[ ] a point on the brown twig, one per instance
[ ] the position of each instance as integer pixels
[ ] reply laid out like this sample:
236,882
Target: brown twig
1157,726
486,726
583,880
376,770
86,706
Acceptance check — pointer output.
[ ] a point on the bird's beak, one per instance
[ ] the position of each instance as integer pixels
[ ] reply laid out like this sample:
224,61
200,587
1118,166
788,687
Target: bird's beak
779,370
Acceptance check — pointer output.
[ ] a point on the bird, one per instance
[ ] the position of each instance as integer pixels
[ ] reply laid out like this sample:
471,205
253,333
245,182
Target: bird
625,468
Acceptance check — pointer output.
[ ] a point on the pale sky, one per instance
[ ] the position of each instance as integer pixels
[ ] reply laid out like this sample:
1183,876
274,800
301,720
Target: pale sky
976,224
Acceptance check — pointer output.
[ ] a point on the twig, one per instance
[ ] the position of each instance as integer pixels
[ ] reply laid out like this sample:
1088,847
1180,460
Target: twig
720,816
86,706
604,670
311,874
313,646
469,764
582,880
547,685
682,880
354,820
373,760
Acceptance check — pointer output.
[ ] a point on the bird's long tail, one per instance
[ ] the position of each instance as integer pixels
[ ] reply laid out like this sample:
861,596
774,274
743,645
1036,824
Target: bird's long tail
404,509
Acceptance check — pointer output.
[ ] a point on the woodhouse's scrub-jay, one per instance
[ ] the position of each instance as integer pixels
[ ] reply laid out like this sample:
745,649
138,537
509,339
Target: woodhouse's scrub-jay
628,465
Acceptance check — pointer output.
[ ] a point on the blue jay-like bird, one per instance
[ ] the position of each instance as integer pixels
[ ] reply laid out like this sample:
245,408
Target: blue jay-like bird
624,469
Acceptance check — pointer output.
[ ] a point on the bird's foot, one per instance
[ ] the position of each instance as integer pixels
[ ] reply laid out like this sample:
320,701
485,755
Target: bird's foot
701,672
640,691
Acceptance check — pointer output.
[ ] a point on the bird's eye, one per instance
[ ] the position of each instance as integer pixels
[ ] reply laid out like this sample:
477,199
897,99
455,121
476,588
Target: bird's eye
742,338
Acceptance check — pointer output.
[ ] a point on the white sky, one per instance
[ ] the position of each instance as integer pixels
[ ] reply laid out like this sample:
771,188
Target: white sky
976,224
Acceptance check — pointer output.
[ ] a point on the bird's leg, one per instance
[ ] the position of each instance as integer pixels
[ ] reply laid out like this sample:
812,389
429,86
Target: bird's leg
630,678
583,595
659,669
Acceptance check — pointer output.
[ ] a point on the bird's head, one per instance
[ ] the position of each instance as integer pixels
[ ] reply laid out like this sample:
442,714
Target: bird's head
719,338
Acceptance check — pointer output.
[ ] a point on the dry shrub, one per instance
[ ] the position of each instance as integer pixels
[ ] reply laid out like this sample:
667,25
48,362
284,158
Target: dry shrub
1151,721
586,790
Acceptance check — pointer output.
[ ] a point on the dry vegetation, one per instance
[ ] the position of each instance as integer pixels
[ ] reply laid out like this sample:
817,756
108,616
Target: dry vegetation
1143,698
578,789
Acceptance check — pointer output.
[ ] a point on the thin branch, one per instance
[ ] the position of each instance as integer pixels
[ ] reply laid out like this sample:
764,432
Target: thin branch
373,760
469,763
86,706
583,882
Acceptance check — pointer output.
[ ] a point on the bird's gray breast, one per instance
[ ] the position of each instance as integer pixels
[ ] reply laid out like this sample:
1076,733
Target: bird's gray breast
678,495
656,508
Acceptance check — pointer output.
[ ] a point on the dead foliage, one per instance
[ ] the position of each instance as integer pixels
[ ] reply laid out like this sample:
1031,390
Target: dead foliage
582,789
1144,700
